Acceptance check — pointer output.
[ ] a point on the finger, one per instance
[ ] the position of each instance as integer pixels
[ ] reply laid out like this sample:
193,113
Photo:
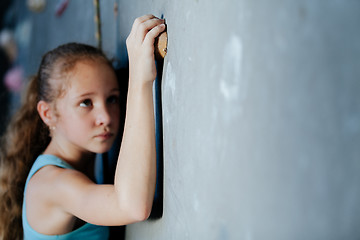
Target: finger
133,33
140,20
153,33
147,26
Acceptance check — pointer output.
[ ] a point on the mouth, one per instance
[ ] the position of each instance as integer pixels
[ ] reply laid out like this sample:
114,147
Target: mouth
104,136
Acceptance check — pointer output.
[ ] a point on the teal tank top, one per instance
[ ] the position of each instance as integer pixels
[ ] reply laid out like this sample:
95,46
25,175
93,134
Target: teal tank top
87,231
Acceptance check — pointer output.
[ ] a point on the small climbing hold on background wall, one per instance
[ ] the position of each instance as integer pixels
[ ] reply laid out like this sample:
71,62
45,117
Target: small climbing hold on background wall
61,7
116,9
36,5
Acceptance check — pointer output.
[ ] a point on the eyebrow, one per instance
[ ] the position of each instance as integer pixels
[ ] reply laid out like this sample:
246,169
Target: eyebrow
87,94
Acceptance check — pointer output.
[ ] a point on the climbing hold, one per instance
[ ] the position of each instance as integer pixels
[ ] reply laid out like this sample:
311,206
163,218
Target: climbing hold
61,7
161,46
36,5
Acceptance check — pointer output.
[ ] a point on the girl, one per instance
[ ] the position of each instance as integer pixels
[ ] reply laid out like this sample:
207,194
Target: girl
70,113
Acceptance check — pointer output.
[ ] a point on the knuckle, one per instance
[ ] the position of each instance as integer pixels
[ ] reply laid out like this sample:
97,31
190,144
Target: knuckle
137,21
143,26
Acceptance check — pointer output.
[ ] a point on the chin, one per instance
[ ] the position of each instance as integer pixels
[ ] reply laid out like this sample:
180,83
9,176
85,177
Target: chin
101,147
103,150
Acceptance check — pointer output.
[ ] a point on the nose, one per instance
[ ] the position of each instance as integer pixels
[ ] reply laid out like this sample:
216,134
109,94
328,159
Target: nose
102,116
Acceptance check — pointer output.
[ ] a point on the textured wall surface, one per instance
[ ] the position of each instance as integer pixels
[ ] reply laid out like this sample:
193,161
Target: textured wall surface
261,113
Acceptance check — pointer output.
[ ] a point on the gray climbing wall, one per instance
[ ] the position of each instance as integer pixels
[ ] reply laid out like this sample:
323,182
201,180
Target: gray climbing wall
261,113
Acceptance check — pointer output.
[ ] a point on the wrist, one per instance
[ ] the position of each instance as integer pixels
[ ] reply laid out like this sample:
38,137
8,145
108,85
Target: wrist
139,86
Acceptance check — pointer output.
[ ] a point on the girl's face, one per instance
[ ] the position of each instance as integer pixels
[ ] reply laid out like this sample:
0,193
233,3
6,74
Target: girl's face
87,116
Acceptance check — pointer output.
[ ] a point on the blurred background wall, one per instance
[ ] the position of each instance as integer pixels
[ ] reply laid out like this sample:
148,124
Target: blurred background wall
261,111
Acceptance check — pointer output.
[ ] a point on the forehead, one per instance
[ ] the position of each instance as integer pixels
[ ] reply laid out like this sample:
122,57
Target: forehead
91,75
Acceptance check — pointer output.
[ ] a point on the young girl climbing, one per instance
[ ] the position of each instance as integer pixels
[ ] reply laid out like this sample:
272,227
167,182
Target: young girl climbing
71,112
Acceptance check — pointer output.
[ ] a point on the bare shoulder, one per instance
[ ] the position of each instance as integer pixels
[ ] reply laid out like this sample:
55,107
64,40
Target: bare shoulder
44,195
44,179
50,181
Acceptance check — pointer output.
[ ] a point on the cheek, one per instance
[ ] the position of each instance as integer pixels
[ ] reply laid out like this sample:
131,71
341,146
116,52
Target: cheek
73,124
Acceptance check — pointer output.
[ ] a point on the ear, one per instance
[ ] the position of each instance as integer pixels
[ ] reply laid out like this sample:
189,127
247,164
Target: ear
46,113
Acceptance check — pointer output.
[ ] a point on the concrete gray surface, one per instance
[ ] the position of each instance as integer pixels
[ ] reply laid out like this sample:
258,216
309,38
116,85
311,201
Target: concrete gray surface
261,113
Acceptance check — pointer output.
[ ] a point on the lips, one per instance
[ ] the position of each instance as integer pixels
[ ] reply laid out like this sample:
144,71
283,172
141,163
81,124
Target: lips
105,135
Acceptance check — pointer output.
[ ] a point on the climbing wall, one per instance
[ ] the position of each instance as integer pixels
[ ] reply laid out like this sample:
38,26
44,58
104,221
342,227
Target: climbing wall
260,113
261,118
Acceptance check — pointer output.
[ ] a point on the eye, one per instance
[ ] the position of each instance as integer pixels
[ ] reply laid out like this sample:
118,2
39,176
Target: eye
86,103
114,99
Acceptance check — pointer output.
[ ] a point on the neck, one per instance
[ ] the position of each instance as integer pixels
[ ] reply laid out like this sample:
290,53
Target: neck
80,160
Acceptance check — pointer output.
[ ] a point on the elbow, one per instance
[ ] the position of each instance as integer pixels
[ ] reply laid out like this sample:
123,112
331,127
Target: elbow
133,208
137,211
131,213
141,213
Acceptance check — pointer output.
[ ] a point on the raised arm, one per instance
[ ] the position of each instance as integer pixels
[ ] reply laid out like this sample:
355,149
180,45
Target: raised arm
136,170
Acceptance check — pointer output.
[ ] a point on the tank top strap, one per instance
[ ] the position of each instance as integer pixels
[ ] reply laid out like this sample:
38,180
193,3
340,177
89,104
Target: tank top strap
44,160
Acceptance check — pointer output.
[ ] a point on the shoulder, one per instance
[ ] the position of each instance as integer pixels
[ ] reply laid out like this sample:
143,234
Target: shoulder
50,180
52,187
50,171
48,189
46,179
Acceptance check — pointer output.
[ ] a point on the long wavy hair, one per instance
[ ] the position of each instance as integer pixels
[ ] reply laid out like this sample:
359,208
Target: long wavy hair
27,136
